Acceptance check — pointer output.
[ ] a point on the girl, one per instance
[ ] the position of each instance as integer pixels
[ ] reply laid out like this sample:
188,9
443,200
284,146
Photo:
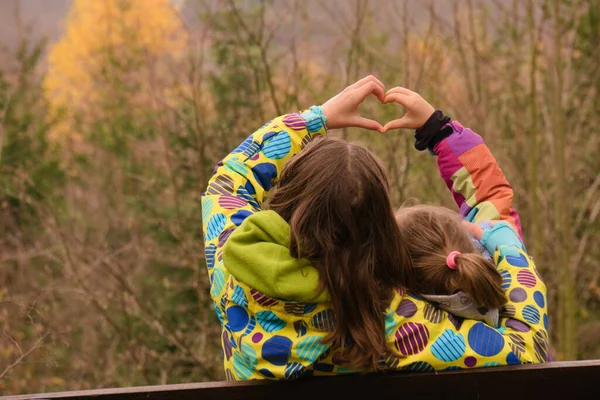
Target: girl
448,268
315,284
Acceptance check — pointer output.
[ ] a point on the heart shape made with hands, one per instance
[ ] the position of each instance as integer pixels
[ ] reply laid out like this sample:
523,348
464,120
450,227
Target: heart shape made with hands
342,111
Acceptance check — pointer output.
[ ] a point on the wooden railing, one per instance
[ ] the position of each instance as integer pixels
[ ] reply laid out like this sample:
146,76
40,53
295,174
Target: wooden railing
559,380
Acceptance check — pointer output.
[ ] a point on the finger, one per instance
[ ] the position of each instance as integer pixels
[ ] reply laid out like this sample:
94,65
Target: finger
400,89
397,98
473,230
366,123
404,122
368,79
370,88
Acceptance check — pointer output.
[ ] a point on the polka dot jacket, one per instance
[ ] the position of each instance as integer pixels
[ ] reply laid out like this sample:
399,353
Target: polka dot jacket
269,338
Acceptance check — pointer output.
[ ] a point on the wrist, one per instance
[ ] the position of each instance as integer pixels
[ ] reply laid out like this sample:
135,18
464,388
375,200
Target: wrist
315,119
326,113
321,113
431,133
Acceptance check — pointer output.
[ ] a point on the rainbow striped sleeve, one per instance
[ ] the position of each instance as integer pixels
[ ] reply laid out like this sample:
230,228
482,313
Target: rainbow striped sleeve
473,176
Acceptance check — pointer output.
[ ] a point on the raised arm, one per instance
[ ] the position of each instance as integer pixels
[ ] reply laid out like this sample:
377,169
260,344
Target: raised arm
465,163
482,193
473,176
242,180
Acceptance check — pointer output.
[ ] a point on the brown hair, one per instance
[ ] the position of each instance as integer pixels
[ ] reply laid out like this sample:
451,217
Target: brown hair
431,233
335,196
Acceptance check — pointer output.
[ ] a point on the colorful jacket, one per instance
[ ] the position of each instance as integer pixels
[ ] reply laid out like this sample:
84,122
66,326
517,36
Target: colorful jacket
278,338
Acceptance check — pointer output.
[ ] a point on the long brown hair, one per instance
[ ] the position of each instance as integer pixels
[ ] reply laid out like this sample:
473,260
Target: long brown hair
431,233
335,196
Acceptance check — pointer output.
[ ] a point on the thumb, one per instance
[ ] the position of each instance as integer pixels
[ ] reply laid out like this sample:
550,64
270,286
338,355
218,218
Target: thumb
366,123
404,122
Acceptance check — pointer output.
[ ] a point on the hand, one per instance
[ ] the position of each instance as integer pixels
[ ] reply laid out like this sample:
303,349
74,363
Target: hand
499,233
418,110
475,230
342,110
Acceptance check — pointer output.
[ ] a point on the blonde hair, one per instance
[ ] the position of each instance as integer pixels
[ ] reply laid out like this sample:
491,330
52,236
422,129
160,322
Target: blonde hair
431,233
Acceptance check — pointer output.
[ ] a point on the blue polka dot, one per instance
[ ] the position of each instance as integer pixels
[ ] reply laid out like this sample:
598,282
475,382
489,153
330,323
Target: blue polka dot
419,366
209,255
218,282
266,372
309,307
313,120
453,368
310,348
449,346
215,226
520,261
244,362
238,296
269,321
245,144
240,216
219,313
243,193
236,166
324,321
251,150
238,318
264,174
492,364
293,370
314,125
484,340
546,321
268,136
321,367
277,350
539,299
390,324
531,314
207,206
278,147
506,279
512,359
250,327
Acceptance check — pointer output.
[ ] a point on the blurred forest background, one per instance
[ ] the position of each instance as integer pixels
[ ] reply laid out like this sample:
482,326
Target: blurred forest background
113,113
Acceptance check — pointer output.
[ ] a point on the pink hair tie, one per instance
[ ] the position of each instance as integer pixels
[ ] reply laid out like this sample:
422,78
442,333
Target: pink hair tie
451,259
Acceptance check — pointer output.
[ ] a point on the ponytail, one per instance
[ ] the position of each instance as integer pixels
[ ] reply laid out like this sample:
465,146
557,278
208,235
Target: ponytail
444,258
480,280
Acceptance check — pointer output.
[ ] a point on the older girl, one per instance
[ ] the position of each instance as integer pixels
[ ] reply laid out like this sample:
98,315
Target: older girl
315,284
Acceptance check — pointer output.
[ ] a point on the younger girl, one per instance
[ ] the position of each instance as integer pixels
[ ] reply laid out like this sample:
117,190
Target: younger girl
451,257
448,267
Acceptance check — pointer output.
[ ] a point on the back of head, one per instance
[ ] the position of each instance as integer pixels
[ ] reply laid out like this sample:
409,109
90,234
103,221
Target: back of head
431,233
335,196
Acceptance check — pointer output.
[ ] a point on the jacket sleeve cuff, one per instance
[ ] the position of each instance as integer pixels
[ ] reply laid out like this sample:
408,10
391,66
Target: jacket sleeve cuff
433,131
315,119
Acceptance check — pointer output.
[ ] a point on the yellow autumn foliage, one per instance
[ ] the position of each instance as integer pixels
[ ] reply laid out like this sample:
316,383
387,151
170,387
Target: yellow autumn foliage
101,31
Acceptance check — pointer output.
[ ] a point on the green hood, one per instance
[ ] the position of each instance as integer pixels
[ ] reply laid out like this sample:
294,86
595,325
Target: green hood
258,254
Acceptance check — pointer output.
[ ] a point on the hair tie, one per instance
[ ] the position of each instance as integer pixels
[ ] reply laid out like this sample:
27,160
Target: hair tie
451,259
